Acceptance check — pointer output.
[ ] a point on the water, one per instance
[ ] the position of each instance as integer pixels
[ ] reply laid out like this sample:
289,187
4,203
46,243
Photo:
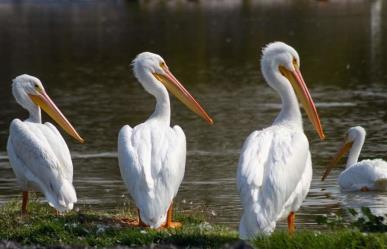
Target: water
82,50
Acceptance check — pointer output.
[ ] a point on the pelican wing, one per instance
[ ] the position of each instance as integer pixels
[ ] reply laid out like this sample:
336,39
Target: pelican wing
367,173
59,147
40,159
271,166
174,165
152,163
134,161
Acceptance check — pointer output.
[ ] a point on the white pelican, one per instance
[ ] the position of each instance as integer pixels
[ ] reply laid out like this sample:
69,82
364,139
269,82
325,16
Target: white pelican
275,168
152,154
37,152
364,175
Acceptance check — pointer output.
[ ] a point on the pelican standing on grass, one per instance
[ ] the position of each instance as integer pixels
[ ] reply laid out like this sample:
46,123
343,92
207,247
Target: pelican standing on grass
37,152
152,154
358,176
275,168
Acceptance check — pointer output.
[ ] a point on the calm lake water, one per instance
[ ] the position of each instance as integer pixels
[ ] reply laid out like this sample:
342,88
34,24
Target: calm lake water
82,50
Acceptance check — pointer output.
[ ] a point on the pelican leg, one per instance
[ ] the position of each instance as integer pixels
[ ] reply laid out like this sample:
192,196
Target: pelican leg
170,223
291,224
24,203
140,222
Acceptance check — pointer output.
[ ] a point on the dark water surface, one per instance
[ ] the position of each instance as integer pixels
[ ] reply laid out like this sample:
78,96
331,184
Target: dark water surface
82,50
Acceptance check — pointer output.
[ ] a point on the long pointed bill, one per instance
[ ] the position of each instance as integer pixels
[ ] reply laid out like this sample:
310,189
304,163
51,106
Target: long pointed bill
177,89
343,151
303,94
45,102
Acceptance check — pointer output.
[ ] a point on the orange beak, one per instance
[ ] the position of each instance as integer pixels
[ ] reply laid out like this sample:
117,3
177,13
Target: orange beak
177,89
342,151
302,92
45,102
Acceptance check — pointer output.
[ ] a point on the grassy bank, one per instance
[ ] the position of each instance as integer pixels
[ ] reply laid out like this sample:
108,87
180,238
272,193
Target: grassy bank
340,239
88,228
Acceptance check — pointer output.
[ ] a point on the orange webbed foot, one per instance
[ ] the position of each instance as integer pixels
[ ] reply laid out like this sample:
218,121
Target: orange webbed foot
173,224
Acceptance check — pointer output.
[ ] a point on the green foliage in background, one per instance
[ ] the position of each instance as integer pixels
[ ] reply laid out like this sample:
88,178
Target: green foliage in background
364,221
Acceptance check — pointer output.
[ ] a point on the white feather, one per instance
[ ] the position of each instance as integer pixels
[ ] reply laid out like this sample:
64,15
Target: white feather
366,174
152,164
371,174
38,154
275,169
152,154
41,161
273,177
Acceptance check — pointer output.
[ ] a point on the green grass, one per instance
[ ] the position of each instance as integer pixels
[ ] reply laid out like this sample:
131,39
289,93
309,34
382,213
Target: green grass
342,239
89,228
103,229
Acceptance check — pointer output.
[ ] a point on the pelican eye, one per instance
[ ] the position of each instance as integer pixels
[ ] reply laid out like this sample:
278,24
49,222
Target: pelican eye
282,69
37,87
163,65
295,63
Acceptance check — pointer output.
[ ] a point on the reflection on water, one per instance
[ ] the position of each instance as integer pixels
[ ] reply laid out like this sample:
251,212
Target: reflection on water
82,51
376,35
376,200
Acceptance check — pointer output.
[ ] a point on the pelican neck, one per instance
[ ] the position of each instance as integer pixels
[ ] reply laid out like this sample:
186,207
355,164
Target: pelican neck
290,113
354,152
35,115
162,112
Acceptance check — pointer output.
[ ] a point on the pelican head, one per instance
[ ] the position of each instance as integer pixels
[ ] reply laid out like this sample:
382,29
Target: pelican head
280,66
154,75
354,135
30,94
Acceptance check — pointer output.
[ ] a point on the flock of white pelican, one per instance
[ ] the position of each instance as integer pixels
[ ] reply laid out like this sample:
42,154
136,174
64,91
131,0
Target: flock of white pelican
274,170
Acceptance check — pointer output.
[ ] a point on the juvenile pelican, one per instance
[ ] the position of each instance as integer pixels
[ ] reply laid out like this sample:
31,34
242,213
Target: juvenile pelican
364,175
275,169
37,152
152,154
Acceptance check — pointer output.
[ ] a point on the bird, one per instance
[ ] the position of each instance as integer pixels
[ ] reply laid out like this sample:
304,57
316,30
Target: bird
152,155
275,169
37,152
366,175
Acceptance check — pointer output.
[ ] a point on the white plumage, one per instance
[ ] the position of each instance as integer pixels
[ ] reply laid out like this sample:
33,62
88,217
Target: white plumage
152,155
359,176
42,162
37,152
152,162
275,169
365,175
274,175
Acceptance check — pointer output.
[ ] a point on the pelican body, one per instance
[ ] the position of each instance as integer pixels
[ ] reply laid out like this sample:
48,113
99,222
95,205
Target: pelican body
37,152
152,155
275,168
358,176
